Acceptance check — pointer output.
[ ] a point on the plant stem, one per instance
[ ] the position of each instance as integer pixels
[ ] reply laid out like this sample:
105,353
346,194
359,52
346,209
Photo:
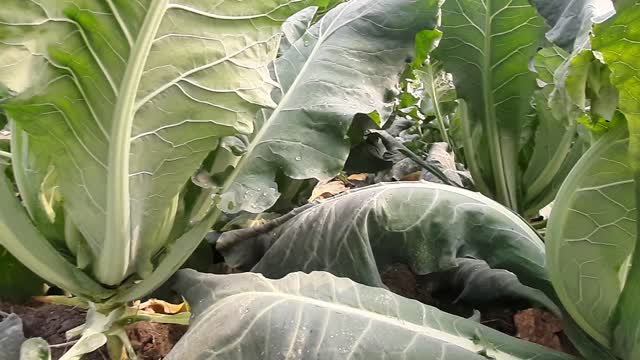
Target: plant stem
436,106
113,264
5,154
65,344
176,255
553,166
470,151
499,156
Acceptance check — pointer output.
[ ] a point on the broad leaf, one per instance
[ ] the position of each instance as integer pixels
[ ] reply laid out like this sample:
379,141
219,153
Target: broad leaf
319,315
340,67
487,46
130,97
591,234
427,226
619,42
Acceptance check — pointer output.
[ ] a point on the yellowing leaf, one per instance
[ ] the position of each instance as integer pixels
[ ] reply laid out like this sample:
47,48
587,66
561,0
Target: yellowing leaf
326,190
156,306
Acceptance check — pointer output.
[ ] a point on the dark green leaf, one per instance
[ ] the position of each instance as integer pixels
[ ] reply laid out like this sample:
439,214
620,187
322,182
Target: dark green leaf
427,226
17,283
488,47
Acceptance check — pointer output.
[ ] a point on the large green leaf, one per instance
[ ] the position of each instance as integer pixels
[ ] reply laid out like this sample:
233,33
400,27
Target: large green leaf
130,97
591,234
487,46
305,136
322,316
427,226
618,40
347,63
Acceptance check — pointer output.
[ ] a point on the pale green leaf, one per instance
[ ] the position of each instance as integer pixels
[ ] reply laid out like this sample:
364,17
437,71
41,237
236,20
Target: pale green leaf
591,234
296,26
130,97
427,226
317,315
347,63
32,165
438,89
618,40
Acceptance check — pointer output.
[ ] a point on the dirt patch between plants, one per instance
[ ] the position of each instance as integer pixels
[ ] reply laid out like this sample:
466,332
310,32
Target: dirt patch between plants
152,341
512,318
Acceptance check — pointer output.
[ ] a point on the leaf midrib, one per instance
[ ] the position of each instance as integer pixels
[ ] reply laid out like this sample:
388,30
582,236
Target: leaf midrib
112,266
493,134
258,138
339,308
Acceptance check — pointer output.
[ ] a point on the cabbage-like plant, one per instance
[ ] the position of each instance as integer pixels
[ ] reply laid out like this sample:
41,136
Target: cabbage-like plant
516,145
593,229
114,106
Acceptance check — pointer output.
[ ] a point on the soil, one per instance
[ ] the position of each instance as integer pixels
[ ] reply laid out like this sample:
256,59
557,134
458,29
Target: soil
510,317
151,341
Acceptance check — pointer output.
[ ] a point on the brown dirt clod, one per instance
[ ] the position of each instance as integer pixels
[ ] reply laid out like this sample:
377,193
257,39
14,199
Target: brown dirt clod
153,341
540,327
